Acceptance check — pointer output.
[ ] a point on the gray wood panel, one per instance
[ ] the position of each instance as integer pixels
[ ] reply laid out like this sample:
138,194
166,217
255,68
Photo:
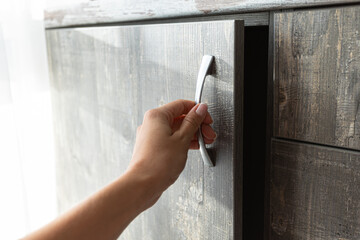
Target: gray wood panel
104,79
314,192
59,14
317,76
250,19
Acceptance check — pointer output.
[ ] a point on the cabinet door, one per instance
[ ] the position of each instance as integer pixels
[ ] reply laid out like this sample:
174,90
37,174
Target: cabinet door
104,79
314,192
317,76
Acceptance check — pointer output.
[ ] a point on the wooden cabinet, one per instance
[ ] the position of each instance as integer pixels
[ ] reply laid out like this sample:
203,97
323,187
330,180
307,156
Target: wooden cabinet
104,79
314,192
317,76
314,180
292,167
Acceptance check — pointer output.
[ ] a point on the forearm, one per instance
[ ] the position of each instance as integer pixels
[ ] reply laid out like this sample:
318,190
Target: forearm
166,135
105,214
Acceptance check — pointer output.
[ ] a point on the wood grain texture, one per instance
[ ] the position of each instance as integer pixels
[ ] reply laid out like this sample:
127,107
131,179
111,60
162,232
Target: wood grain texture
317,76
314,192
104,79
82,12
250,19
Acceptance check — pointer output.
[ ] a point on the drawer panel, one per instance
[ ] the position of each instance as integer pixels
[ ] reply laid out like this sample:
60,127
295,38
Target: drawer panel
314,192
317,76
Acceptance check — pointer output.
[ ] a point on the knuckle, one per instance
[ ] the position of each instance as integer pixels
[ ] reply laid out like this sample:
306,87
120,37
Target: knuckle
151,114
192,121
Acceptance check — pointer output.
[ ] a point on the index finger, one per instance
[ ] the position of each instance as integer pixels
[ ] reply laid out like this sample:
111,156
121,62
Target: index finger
177,108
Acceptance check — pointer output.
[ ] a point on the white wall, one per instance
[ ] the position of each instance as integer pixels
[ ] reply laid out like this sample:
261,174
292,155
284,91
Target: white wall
27,169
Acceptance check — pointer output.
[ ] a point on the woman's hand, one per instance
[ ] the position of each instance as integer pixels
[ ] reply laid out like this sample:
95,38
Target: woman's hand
163,141
159,157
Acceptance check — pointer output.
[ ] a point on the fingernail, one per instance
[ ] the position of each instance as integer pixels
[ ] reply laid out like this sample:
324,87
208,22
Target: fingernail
201,110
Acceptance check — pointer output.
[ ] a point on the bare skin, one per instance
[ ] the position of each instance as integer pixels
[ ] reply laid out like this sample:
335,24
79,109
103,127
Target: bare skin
159,157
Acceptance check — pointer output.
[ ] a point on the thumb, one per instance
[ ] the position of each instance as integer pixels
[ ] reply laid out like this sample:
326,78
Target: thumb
193,120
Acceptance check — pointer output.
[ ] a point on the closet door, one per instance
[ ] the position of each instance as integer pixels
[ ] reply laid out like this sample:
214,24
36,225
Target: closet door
104,79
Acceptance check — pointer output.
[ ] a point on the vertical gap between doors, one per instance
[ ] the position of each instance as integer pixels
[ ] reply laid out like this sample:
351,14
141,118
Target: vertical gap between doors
254,150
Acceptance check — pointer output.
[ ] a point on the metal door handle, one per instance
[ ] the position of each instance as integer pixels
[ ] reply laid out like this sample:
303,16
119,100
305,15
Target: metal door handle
203,72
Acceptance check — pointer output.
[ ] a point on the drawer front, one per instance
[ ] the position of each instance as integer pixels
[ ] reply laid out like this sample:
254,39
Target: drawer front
314,192
317,76
104,79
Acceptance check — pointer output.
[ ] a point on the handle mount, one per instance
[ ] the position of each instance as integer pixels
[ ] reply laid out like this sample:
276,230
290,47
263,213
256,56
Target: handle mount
203,72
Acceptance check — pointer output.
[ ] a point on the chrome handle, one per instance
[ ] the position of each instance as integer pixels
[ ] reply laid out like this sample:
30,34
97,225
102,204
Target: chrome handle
203,72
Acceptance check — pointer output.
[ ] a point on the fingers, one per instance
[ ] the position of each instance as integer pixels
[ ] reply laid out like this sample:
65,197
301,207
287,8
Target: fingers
209,136
194,145
180,107
208,132
177,123
177,108
208,141
182,116
208,119
192,121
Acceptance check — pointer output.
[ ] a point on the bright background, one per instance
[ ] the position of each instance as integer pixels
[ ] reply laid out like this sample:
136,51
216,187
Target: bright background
27,168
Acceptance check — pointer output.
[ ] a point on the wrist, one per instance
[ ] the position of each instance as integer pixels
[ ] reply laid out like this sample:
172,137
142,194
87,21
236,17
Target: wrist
146,187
